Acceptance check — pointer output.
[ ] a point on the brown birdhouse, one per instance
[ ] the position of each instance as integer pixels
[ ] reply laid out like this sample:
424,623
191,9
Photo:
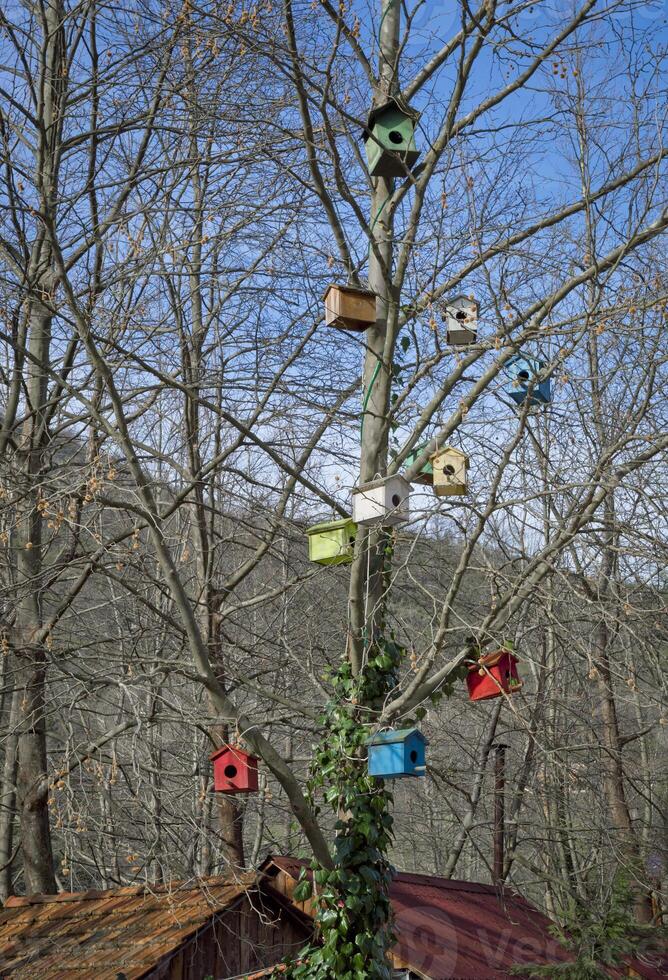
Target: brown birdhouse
234,771
450,468
493,675
349,307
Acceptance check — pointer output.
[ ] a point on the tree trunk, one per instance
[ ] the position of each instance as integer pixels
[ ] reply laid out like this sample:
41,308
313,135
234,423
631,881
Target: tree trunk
8,803
32,787
621,827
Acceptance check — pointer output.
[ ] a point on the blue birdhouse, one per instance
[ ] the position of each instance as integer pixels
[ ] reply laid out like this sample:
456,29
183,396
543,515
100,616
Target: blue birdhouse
524,374
397,753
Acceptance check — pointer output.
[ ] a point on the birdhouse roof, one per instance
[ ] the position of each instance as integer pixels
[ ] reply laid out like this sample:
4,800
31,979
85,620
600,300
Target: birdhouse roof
463,301
493,658
396,735
230,750
381,481
330,525
359,290
523,359
415,453
449,451
392,104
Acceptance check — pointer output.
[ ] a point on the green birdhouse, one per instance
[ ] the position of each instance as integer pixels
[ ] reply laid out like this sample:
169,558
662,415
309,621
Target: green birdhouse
390,140
424,475
332,542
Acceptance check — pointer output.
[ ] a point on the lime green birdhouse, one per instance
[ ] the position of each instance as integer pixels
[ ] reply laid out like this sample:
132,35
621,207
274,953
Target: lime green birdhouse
332,542
390,140
424,475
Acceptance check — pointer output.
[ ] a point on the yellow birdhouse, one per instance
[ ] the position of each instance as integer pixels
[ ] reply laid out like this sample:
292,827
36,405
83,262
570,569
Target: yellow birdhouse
450,468
349,308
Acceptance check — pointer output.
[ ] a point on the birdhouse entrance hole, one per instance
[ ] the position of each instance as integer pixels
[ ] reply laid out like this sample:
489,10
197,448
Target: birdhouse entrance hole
230,771
396,137
449,469
396,499
414,756
460,315
523,375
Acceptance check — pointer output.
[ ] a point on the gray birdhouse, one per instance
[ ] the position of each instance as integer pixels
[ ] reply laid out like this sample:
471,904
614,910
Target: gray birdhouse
383,501
450,468
390,140
461,316
349,307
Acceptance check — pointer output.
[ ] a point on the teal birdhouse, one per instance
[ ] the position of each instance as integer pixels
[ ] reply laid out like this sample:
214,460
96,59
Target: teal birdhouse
390,140
332,542
397,753
525,381
426,473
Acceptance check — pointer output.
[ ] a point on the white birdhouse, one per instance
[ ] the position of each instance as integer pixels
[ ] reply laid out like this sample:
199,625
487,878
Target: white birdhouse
450,468
462,321
383,501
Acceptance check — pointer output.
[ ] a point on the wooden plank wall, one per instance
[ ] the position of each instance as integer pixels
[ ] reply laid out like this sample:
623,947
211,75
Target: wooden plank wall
256,933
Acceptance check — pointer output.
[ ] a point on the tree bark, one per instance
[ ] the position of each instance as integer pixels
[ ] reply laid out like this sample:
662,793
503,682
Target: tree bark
32,785
8,802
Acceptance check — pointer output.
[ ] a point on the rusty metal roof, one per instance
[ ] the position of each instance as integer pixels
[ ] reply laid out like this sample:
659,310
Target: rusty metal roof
464,931
103,934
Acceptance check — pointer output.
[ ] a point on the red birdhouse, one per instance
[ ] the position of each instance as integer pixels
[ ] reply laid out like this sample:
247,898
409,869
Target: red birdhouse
493,675
234,771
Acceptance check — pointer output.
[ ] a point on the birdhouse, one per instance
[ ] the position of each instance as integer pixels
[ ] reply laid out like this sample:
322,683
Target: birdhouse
425,474
524,374
395,754
383,501
333,542
450,468
461,315
493,675
349,307
390,140
234,771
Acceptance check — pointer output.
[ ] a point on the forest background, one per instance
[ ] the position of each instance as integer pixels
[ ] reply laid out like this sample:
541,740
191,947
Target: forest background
180,183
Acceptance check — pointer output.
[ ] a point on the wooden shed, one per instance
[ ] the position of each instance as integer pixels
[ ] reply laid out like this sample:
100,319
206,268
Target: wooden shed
215,927
241,927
